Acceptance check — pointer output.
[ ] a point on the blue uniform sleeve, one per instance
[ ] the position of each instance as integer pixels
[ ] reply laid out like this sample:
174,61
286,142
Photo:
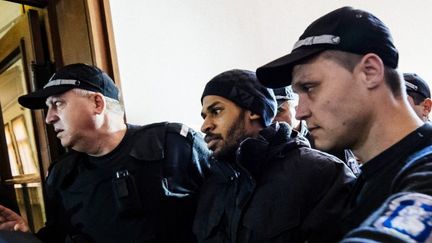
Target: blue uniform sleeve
404,217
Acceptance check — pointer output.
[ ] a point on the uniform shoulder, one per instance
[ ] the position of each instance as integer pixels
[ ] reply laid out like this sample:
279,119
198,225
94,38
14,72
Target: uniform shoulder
182,130
152,141
416,174
163,128
318,155
313,160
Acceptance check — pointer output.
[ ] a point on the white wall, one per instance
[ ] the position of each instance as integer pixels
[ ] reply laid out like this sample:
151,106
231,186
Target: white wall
169,49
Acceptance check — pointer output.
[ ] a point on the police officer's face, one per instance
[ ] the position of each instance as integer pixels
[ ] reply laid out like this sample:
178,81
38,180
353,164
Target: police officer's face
225,125
332,103
72,118
285,113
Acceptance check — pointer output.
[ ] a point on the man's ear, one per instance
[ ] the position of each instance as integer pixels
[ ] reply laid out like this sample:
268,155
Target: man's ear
371,68
99,103
253,116
427,106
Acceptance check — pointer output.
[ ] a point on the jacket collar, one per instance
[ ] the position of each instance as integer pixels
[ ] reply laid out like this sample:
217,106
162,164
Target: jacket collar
273,141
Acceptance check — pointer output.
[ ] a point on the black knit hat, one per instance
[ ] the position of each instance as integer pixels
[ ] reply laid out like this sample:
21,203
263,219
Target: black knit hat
77,75
345,29
242,88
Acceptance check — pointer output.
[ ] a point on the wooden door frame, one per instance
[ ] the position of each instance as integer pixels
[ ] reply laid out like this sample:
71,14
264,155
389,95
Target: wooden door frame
99,24
20,42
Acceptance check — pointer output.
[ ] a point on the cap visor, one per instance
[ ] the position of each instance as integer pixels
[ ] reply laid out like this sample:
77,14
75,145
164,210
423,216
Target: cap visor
278,73
280,102
37,99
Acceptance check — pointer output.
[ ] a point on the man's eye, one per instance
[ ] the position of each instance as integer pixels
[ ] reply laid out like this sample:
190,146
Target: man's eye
58,103
307,87
216,111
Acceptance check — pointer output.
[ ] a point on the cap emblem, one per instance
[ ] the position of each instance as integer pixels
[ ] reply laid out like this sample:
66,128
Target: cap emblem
314,40
412,86
62,82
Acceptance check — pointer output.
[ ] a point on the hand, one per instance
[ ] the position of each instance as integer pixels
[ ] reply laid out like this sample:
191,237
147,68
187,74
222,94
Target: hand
9,220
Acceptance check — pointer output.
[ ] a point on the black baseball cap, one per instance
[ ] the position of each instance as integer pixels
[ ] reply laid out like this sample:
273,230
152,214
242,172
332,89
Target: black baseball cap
78,75
283,94
243,88
415,83
345,29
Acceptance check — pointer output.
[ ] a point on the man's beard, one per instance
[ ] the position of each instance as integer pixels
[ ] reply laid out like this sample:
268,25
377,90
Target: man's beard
235,135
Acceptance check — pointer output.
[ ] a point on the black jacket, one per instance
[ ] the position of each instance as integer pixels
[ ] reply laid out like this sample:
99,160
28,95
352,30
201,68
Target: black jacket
392,198
278,190
143,191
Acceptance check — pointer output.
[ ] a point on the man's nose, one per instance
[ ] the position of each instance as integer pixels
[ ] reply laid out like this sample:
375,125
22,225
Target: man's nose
302,110
51,116
206,126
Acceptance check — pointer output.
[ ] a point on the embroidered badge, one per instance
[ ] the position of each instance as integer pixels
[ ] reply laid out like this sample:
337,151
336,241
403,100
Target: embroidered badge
408,216
184,130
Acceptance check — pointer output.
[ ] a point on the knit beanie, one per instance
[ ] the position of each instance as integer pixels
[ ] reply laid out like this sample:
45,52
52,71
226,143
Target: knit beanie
243,88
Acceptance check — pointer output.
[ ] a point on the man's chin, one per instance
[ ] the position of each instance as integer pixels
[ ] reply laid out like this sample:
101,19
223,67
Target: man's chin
321,146
224,154
326,147
216,153
64,143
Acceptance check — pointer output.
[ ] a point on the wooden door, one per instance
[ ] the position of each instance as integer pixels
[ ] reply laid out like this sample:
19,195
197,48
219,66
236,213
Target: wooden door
23,143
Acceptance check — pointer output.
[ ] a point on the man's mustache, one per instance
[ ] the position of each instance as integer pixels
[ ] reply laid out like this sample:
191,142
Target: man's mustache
210,136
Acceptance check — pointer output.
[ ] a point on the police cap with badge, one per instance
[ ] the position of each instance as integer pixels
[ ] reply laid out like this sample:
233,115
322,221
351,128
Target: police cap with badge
416,87
79,75
283,94
333,31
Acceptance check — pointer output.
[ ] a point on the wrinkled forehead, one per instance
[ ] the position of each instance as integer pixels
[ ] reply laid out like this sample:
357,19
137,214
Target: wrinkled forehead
59,96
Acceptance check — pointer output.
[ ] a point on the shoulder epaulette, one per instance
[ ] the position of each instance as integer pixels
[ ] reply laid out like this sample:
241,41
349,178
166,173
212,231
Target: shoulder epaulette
181,129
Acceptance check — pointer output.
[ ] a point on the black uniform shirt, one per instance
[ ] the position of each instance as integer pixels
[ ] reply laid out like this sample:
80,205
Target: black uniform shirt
142,191
376,182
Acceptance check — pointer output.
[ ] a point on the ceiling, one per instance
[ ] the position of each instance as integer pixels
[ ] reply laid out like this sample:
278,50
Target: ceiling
10,11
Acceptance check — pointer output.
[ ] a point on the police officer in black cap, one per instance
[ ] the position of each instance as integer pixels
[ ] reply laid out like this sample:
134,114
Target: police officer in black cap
267,185
285,106
118,182
419,95
343,67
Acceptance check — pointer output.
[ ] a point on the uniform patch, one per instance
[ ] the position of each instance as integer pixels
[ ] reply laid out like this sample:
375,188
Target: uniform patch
184,130
408,216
